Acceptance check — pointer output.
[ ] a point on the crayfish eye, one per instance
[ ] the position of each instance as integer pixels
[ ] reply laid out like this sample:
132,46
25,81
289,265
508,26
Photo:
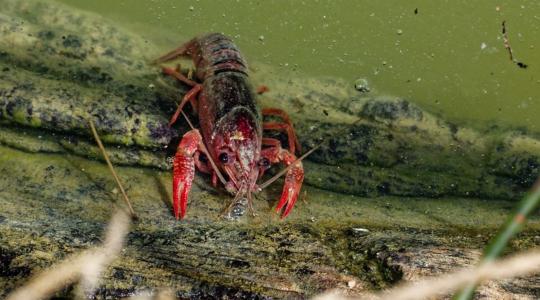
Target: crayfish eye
224,157
203,158
264,162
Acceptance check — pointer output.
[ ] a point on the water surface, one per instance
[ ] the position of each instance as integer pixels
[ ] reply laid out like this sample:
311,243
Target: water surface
447,56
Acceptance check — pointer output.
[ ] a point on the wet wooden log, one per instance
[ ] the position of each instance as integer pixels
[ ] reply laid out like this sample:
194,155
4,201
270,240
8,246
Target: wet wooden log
54,205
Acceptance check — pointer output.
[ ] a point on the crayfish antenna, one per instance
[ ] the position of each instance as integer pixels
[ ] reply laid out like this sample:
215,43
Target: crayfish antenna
292,165
237,197
250,204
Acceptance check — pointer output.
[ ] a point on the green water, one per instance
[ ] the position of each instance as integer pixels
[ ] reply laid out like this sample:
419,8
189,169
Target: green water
447,56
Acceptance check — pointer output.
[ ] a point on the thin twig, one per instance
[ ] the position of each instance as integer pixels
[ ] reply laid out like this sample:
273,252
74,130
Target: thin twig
509,48
506,41
111,168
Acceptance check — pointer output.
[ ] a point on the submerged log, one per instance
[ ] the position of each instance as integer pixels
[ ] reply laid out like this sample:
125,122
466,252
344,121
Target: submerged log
410,185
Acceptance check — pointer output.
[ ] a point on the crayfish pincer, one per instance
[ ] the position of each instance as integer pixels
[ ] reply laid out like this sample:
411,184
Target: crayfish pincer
231,127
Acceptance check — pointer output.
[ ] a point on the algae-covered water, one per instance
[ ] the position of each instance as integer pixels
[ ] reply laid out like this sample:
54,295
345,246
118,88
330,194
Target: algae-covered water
447,56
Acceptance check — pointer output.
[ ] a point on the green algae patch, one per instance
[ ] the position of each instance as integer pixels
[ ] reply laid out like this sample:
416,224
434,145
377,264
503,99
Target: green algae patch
28,139
57,72
119,155
35,140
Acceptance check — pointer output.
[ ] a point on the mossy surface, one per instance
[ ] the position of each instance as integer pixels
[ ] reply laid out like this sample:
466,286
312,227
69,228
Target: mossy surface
58,68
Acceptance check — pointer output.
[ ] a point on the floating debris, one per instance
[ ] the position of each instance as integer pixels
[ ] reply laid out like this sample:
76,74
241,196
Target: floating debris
362,85
509,48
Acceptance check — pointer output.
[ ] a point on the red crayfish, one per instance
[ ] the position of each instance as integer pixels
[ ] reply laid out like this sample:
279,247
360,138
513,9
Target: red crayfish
230,139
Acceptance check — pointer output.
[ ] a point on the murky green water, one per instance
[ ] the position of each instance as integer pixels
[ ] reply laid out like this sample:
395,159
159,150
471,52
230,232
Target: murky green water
447,56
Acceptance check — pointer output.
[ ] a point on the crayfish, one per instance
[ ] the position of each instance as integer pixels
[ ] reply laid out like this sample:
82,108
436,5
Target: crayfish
230,140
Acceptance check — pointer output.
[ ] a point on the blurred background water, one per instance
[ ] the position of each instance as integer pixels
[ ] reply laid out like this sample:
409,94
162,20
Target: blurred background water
446,56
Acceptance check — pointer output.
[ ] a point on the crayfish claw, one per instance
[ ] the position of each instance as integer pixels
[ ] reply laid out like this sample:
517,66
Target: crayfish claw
293,184
184,171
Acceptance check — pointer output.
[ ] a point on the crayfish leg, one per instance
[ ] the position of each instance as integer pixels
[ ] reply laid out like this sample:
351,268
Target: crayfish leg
286,126
179,76
190,96
184,50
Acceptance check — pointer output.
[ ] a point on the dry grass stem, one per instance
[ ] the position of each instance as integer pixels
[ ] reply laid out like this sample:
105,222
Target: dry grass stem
519,265
114,241
48,282
111,168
